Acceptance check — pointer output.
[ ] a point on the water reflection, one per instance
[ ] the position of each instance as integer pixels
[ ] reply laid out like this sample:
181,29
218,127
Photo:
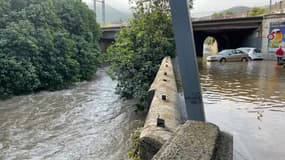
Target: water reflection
91,122
247,100
259,83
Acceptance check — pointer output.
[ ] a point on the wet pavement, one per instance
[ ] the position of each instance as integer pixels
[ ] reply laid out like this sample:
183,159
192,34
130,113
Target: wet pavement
248,101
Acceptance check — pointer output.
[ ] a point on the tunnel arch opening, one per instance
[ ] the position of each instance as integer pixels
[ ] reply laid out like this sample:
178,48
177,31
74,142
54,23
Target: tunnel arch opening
210,46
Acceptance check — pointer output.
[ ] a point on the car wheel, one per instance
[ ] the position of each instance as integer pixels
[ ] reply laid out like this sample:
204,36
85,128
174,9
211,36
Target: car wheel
223,60
244,59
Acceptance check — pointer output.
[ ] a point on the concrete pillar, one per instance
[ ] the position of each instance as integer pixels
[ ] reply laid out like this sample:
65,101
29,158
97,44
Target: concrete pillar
199,43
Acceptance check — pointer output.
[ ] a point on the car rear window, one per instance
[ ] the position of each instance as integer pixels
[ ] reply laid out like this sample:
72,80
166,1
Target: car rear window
246,50
224,52
239,51
257,50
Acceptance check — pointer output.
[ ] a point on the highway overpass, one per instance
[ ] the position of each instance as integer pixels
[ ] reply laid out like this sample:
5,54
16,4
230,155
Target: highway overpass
229,33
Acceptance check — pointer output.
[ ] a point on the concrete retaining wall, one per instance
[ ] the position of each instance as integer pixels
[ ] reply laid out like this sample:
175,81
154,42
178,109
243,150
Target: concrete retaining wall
197,141
265,31
161,110
164,138
192,141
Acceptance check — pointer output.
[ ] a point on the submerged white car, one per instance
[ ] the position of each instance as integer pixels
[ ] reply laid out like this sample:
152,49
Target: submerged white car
253,53
229,55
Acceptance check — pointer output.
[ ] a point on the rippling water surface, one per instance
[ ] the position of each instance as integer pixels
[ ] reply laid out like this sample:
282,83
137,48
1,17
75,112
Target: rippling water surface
91,122
247,100
87,122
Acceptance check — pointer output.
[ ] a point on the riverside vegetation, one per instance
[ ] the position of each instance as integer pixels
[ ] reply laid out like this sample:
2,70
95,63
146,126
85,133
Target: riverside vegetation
138,50
46,45
136,55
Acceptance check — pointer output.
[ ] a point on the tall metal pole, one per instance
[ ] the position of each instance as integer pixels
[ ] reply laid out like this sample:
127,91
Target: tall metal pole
270,6
94,3
103,9
103,12
186,53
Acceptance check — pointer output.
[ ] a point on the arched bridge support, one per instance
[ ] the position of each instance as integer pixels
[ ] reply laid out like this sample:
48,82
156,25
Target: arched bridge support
199,38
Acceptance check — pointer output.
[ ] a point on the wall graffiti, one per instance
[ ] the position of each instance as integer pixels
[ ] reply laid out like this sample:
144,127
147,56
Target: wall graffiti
276,36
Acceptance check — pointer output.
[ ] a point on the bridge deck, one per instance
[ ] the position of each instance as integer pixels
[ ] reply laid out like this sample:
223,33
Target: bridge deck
204,25
228,24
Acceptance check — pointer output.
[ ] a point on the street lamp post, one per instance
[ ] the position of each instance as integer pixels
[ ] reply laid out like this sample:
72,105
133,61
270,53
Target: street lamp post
270,6
186,54
103,9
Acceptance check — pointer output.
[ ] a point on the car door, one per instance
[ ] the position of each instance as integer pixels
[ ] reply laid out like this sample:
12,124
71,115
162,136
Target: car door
258,54
232,56
239,55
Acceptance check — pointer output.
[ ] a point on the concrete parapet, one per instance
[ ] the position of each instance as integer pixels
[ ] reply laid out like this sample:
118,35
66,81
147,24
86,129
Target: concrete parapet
164,138
267,21
197,141
224,147
164,115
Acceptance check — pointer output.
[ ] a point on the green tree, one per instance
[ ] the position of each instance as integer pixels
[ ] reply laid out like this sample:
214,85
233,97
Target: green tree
4,6
218,15
210,40
46,44
139,49
4,10
150,4
257,11
86,35
18,4
228,13
16,76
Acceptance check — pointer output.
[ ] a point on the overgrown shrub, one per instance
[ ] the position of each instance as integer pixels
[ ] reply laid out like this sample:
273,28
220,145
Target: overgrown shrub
133,152
16,77
46,44
139,49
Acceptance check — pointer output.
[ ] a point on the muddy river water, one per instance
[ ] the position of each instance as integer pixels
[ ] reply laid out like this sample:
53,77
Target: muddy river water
91,122
87,122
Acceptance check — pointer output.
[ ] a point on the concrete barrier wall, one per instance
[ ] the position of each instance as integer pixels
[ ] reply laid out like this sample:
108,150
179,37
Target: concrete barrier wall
268,19
192,141
164,113
164,138
197,141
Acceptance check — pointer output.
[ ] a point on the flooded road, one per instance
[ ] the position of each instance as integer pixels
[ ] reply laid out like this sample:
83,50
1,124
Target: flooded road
91,122
248,101
87,122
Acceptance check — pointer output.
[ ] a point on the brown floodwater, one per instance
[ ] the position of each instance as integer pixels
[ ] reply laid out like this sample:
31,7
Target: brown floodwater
91,122
248,101
87,122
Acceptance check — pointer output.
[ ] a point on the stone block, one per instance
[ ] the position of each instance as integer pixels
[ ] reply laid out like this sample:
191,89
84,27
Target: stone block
192,141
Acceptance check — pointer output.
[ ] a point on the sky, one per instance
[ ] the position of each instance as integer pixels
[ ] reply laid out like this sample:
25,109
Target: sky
122,5
209,6
200,6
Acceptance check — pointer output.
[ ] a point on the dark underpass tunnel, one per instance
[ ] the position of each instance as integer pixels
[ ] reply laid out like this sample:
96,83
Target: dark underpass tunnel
228,39
233,39
224,42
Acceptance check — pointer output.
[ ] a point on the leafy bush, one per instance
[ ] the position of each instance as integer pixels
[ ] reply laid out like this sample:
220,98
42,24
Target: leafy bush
16,77
257,11
133,152
46,44
139,49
